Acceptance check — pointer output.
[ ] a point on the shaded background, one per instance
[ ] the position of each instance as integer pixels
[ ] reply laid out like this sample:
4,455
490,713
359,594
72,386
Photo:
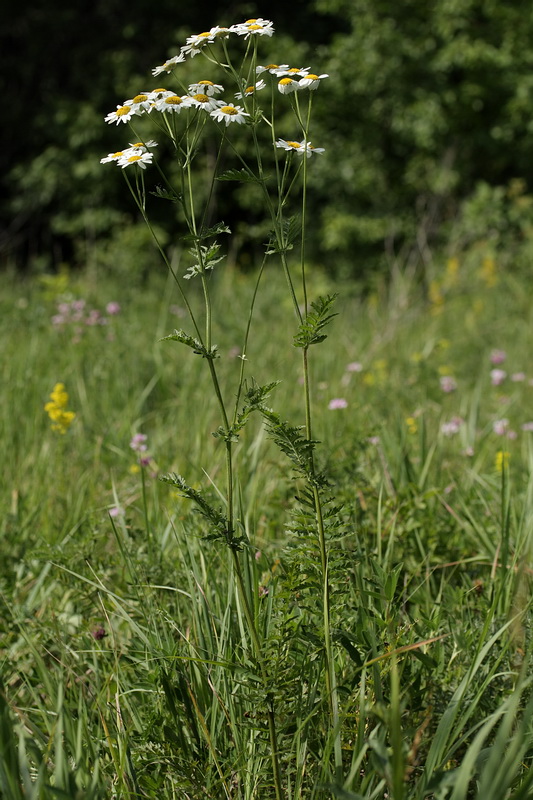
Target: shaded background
426,121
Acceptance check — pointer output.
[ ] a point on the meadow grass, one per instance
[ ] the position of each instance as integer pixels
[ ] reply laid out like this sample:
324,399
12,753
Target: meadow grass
127,668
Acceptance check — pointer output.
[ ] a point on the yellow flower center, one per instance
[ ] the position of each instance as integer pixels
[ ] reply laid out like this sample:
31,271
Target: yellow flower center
173,101
286,81
132,159
206,33
294,69
118,154
313,77
205,83
137,144
231,110
123,110
255,27
249,90
140,98
271,66
294,144
157,91
250,21
201,98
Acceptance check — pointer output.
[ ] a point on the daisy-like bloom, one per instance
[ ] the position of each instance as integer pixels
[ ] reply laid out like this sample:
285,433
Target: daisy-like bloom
194,44
202,100
112,157
288,85
272,68
135,149
171,103
122,114
143,145
229,114
291,72
299,147
218,32
205,87
251,89
254,27
169,64
312,81
139,103
135,157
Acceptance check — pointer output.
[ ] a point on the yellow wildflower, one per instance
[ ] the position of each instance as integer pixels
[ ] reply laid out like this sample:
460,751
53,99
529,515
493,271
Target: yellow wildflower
501,460
412,425
56,408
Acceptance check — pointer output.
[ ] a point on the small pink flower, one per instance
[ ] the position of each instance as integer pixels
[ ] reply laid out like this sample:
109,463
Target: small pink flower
138,443
512,434
498,356
113,308
518,377
99,633
116,511
500,427
354,366
373,440
497,376
448,383
337,402
452,427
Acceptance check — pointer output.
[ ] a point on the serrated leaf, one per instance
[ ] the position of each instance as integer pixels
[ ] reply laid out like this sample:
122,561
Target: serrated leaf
238,175
167,194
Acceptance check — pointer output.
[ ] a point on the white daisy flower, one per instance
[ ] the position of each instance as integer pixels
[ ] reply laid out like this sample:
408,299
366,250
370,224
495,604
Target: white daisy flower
122,114
206,87
202,100
291,72
288,85
229,114
251,89
254,27
139,103
272,68
217,32
169,65
170,103
112,157
299,147
194,44
143,146
312,81
136,157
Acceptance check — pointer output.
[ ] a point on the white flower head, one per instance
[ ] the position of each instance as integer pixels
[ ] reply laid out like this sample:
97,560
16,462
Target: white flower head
201,100
205,87
171,103
299,147
229,114
254,27
251,89
291,72
135,157
139,103
312,81
143,146
122,114
194,44
112,157
169,64
272,68
288,85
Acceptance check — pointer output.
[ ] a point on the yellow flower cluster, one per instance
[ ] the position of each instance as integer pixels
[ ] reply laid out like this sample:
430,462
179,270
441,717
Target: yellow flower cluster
56,409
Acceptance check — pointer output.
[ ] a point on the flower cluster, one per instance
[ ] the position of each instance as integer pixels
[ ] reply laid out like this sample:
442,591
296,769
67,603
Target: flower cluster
139,446
56,409
203,95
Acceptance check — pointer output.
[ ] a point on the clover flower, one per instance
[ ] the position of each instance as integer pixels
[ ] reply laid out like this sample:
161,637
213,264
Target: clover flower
56,409
452,427
169,64
205,87
337,402
229,114
448,383
299,147
498,356
497,376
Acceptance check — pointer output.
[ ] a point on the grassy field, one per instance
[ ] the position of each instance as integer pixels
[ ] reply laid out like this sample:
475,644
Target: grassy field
128,669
